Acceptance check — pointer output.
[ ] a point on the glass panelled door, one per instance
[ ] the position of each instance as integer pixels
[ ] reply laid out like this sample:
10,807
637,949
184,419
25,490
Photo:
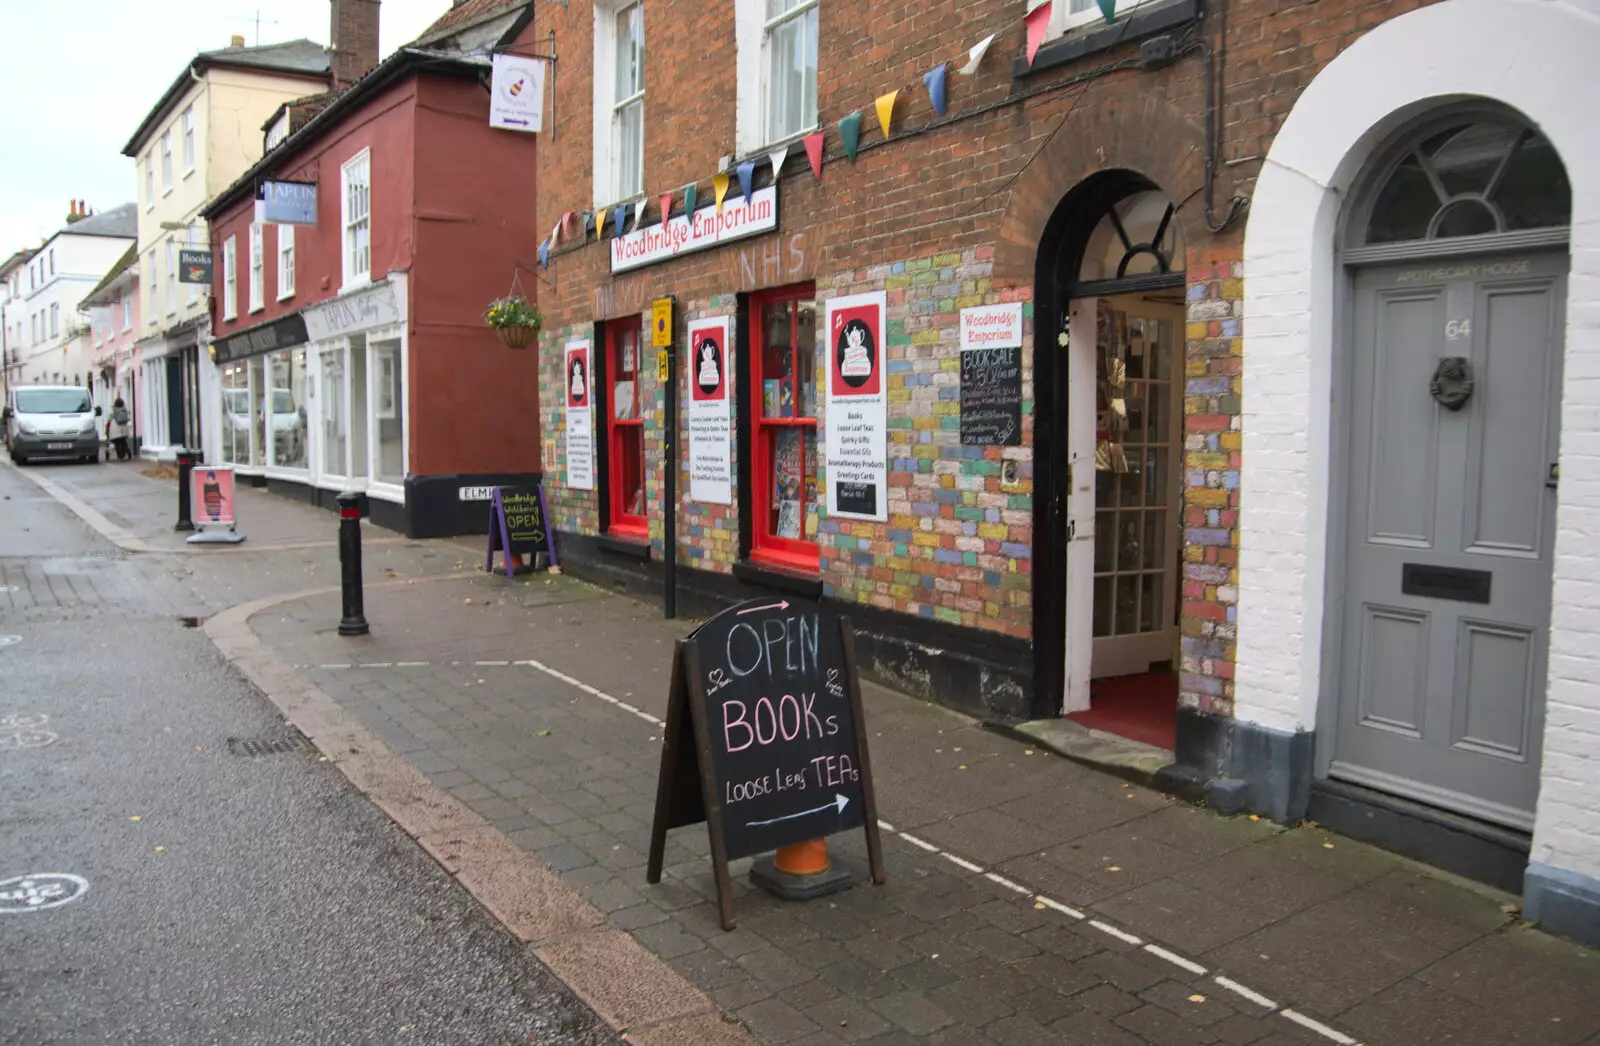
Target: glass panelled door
1137,460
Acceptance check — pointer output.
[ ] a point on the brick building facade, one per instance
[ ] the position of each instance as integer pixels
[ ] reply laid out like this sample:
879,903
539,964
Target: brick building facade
1108,555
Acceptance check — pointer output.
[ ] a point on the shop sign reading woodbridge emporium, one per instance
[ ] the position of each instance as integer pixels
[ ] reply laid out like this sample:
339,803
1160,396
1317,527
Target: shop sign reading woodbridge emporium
705,228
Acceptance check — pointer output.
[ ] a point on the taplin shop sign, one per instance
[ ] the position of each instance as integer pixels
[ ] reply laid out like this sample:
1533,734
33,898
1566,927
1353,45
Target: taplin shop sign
376,306
697,232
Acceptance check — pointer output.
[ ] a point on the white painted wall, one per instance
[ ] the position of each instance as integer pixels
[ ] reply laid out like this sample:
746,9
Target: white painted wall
1533,55
80,263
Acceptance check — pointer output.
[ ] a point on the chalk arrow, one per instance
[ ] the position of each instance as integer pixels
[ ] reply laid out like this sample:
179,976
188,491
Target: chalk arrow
839,803
770,606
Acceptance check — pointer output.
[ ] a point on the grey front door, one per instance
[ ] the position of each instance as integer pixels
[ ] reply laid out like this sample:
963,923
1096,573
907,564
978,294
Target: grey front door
1444,593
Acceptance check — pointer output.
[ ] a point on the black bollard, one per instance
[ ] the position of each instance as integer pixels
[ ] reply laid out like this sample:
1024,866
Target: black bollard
354,622
185,513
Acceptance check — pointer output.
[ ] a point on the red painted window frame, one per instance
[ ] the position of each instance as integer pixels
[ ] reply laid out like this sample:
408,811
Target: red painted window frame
767,548
619,433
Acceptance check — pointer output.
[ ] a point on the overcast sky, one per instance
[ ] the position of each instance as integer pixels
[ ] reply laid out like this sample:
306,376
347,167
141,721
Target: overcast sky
78,76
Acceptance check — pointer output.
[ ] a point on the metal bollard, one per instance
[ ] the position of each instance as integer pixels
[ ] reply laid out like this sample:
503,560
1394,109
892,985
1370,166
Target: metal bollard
351,509
186,462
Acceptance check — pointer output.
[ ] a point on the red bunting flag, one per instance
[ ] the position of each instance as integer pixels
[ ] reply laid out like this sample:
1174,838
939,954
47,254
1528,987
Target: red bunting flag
813,144
1037,21
666,207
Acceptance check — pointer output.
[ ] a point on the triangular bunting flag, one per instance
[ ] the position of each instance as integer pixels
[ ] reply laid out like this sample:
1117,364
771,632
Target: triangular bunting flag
934,81
555,234
544,254
719,186
600,223
777,156
1108,8
583,223
747,173
975,55
638,212
813,143
666,207
690,195
885,105
850,131
1037,21
566,222
620,217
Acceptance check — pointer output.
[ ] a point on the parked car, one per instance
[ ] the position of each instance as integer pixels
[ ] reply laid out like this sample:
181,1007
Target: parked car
288,427
51,421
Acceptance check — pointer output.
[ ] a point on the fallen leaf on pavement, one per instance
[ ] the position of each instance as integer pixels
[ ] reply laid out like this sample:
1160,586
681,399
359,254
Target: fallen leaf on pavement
161,849
547,733
1197,998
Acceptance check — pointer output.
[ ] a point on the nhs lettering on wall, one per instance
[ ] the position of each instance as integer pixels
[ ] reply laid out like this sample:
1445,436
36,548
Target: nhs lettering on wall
288,203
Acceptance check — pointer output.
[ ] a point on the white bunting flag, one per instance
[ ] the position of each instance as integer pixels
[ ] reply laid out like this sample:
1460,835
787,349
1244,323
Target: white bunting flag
777,156
638,213
975,55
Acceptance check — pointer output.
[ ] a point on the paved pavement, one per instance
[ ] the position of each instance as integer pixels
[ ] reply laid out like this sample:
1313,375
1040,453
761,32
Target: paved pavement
1029,899
229,898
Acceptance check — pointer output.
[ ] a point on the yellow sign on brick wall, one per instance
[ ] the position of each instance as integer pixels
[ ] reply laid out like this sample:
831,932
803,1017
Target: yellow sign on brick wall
661,323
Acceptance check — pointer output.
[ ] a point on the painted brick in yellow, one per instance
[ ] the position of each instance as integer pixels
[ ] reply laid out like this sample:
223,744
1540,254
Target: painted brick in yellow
1206,498
1204,460
1232,441
993,531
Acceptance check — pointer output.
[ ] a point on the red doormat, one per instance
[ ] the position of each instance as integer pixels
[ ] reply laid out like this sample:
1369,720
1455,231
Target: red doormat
1142,707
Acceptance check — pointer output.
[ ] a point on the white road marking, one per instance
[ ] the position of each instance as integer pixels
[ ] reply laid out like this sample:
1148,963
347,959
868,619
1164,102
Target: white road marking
1176,960
1121,935
26,731
33,893
411,664
1320,1028
491,664
1071,913
960,862
1239,989
333,666
1007,883
9,640
885,825
379,664
914,841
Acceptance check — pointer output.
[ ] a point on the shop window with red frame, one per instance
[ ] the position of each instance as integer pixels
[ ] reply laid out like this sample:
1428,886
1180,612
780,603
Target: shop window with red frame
625,431
783,398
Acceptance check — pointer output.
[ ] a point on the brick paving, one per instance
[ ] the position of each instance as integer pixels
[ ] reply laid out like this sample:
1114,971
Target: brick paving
1373,948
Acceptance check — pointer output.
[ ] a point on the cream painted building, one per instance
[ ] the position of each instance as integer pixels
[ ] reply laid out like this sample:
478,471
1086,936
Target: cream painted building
201,135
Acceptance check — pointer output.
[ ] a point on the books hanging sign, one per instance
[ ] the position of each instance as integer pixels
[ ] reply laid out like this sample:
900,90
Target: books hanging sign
710,414
857,444
580,427
516,98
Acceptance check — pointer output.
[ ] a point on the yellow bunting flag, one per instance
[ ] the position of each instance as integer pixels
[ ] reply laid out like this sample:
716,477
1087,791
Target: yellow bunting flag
886,110
719,185
600,223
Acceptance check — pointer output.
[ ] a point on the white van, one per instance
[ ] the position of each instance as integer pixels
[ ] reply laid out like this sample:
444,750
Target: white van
50,421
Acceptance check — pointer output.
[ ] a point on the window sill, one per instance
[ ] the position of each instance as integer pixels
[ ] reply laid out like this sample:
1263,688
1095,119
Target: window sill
783,577
166,192
286,297
355,283
188,172
256,308
624,544
1088,39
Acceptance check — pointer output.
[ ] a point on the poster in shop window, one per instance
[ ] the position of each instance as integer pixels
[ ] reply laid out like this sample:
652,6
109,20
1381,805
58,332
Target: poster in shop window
857,449
710,414
580,430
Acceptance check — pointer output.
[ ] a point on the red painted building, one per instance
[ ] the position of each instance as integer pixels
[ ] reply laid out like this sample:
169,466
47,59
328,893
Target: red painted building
352,352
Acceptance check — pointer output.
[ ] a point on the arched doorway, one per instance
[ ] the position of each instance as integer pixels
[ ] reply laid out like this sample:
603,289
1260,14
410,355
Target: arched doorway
1109,365
1442,519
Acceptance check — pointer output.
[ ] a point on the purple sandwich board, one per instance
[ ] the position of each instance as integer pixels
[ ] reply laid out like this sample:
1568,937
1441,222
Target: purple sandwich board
517,526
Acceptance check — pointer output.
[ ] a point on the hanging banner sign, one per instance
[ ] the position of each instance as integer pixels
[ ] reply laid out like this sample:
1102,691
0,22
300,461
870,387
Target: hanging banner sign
580,431
517,95
194,265
710,414
288,203
992,326
737,219
857,447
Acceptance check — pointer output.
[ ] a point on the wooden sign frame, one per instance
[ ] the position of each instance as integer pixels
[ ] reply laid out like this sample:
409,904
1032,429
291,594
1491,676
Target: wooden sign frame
500,534
690,756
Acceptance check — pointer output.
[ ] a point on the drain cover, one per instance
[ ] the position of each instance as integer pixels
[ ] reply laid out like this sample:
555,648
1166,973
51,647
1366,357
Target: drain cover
276,745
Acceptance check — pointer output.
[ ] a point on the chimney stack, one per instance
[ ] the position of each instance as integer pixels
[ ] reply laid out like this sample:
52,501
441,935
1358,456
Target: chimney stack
355,40
236,40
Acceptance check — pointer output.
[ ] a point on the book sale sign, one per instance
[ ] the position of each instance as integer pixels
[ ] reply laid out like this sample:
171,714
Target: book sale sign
765,741
857,438
579,381
710,413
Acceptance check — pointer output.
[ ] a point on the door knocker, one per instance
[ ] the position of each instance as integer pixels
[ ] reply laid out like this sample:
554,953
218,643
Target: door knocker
1451,384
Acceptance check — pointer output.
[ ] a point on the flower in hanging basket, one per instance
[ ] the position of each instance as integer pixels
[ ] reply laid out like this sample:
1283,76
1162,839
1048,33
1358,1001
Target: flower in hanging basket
515,319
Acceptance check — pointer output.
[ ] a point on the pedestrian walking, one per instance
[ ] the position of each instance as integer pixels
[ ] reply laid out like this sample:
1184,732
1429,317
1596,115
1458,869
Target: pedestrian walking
118,427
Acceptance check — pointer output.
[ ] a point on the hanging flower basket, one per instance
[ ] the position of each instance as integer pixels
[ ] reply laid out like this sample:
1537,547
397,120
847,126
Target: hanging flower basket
517,337
515,319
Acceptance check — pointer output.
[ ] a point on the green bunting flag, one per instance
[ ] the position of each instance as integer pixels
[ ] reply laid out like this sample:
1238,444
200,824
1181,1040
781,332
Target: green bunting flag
1109,9
850,131
689,192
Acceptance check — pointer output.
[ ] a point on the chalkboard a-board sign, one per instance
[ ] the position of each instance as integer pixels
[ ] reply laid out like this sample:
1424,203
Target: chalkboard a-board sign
517,525
991,397
764,738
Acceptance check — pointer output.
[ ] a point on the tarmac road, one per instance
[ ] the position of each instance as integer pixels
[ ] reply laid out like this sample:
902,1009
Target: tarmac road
225,898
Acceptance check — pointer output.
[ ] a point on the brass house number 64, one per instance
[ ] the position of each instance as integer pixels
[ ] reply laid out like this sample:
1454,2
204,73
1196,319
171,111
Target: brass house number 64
1454,330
